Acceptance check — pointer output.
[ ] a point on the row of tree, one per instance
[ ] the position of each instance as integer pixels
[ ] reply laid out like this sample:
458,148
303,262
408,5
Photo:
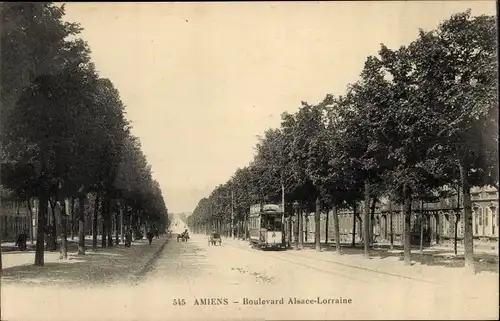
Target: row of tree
63,128
421,117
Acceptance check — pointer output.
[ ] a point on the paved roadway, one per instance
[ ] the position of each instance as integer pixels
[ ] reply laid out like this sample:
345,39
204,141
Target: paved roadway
234,272
193,271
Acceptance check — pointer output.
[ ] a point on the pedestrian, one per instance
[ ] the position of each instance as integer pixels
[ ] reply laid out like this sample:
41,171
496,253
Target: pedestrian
149,235
21,241
157,233
128,238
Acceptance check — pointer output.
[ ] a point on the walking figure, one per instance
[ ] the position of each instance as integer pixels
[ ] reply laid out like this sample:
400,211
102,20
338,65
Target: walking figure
150,236
21,241
128,238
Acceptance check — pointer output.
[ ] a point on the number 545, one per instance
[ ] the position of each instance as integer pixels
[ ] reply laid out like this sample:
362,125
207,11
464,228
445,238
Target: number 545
179,302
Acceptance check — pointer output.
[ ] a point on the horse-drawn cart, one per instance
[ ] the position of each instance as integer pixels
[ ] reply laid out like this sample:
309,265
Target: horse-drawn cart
214,238
184,236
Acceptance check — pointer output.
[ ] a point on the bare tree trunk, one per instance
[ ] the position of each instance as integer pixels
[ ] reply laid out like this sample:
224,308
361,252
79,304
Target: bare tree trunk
366,219
73,218
407,225
301,228
117,234
297,228
81,225
360,228
468,236
31,220
104,221
238,226
327,210
372,220
422,227
336,228
95,218
53,245
245,227
457,219
64,240
354,216
306,227
40,233
317,225
109,217
391,225
122,225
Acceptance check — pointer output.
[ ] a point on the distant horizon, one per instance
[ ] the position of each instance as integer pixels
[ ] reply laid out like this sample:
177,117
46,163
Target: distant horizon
201,81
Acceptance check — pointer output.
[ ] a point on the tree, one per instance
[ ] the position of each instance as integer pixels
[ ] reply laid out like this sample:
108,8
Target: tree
457,90
421,117
141,194
64,132
34,50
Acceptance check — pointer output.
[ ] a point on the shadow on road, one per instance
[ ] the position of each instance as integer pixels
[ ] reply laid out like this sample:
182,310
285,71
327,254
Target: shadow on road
485,262
104,266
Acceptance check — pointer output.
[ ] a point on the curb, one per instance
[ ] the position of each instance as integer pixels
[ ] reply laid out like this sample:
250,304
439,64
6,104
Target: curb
149,263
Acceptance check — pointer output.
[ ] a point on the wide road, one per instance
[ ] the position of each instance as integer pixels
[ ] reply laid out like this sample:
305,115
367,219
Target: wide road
187,275
194,281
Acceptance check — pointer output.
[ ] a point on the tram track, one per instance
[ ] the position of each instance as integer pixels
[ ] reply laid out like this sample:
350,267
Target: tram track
335,273
344,265
366,269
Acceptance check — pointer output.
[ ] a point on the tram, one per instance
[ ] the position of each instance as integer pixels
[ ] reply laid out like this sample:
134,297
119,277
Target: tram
266,226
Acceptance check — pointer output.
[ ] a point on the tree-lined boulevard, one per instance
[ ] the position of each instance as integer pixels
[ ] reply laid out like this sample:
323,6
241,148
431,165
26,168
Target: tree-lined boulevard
420,125
65,135
421,119
187,277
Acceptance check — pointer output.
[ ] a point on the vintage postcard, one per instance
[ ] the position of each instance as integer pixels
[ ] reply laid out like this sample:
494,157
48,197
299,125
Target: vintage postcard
249,160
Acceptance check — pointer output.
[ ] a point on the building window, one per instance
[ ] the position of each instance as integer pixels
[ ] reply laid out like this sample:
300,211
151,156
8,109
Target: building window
493,222
478,219
446,224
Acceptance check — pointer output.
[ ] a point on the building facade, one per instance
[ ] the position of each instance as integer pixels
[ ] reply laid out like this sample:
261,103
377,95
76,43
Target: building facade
14,218
438,221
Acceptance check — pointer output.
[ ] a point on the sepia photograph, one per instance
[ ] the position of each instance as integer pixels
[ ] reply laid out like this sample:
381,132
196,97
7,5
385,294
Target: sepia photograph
249,160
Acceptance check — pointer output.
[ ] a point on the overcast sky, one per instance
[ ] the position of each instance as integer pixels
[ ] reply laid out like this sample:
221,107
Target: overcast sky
200,81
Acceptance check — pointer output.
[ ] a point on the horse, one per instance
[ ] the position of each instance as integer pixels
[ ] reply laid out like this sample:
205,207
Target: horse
184,236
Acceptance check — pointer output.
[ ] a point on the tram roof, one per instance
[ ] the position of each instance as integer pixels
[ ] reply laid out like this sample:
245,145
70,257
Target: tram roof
266,213
267,208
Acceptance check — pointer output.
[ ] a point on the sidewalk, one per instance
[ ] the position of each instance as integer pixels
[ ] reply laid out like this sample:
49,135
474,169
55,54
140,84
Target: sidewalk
433,255
437,264
104,266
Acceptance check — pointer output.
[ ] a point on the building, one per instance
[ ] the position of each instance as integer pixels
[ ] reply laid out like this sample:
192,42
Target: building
438,221
14,217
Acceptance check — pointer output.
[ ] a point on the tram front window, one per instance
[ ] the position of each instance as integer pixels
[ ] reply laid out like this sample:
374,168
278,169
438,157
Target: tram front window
272,223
